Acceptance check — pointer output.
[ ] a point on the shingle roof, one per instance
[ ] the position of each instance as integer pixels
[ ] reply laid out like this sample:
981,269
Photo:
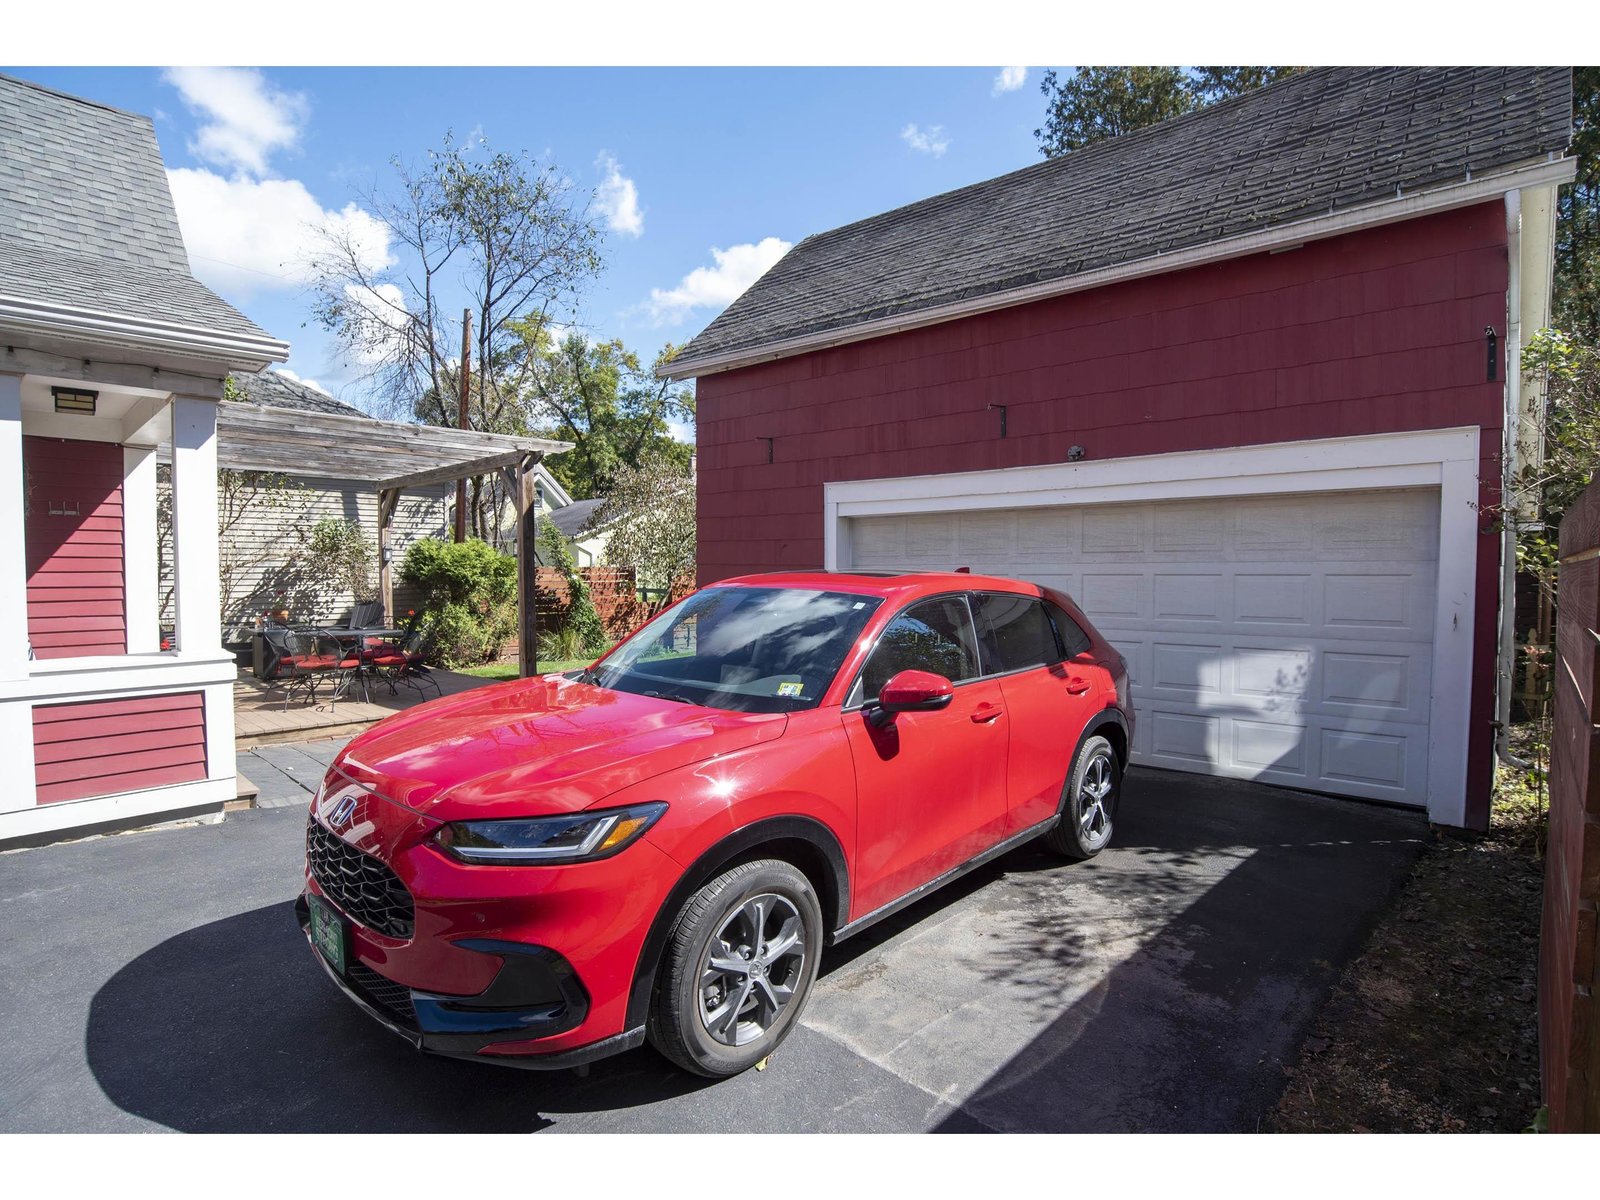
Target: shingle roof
277,390
86,218
1321,141
572,519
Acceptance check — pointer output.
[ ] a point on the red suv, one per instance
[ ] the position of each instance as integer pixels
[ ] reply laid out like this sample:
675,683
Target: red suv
545,872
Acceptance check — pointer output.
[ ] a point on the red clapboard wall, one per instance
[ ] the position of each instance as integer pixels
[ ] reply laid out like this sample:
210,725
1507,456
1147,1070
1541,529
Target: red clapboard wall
102,747
74,548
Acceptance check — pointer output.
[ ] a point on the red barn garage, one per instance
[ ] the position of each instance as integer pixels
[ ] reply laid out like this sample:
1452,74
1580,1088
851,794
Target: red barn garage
1238,382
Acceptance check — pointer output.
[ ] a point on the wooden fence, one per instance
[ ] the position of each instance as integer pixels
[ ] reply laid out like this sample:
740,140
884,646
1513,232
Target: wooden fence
1569,936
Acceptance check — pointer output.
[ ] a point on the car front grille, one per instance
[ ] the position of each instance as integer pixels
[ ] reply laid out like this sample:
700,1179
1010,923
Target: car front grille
369,892
392,997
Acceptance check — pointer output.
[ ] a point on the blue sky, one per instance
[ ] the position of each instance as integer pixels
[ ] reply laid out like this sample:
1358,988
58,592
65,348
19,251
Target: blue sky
726,159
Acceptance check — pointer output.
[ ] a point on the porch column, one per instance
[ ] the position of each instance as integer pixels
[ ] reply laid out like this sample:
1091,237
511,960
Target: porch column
194,527
13,545
16,715
141,554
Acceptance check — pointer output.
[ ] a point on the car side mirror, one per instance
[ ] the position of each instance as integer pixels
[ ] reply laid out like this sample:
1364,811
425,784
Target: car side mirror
911,691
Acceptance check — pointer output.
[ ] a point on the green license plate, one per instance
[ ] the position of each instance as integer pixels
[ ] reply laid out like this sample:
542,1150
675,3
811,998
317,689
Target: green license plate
328,933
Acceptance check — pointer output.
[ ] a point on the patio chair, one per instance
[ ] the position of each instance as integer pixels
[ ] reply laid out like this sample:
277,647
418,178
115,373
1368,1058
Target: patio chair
306,659
403,661
365,614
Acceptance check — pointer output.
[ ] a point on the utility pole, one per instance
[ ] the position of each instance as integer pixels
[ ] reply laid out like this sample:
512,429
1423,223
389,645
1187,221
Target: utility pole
463,422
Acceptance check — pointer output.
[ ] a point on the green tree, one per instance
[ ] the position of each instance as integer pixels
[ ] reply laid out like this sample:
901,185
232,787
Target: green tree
502,236
599,396
650,511
1568,434
1095,103
1577,278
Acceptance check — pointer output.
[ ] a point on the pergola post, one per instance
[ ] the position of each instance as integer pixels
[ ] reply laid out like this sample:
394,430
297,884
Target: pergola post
388,499
521,485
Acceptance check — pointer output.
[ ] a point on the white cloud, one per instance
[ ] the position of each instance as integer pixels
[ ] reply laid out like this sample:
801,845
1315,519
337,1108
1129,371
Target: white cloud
246,235
310,383
1009,79
247,119
926,141
718,286
618,199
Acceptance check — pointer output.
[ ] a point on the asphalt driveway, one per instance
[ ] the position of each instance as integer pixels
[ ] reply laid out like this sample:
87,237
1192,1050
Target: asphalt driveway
158,980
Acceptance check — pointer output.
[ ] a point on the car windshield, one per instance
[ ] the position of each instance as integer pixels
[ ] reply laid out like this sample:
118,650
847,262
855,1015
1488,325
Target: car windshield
745,649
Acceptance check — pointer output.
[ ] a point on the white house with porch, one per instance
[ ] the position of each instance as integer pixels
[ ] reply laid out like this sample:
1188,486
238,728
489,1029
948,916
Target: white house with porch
111,354
112,357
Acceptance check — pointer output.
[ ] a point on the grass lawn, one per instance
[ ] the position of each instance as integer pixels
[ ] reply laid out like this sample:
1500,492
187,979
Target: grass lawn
509,670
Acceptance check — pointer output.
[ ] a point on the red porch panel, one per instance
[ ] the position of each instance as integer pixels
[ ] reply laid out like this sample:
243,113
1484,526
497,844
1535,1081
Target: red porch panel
102,747
73,536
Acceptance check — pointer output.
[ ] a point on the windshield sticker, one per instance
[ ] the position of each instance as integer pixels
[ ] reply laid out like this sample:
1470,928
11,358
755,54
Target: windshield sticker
791,688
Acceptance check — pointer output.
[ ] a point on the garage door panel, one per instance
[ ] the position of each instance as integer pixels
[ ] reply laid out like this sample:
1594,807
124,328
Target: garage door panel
1120,597
1287,639
1193,596
1277,599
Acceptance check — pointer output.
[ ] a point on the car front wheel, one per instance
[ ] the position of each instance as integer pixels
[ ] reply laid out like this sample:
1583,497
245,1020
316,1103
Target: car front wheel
741,960
1088,801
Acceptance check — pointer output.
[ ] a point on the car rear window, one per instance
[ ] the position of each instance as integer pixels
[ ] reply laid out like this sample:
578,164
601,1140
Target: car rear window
1074,641
1015,633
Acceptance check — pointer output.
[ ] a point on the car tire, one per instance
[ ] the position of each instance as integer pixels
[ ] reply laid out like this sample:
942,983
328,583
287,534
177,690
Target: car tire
1088,801
728,992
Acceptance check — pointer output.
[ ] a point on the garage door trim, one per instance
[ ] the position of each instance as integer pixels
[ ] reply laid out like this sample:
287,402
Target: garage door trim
1446,459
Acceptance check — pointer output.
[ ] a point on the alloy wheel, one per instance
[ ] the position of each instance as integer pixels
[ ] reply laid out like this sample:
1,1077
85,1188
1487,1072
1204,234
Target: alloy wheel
750,968
1095,802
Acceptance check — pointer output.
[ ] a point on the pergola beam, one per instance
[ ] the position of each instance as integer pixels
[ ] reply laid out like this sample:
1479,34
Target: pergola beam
449,474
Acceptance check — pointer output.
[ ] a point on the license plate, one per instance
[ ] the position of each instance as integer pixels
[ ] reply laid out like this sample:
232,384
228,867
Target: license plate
328,933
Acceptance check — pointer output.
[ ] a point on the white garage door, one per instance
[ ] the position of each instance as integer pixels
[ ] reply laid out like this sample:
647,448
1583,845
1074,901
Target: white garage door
1286,639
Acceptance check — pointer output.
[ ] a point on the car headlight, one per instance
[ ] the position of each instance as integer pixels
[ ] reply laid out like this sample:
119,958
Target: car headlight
546,841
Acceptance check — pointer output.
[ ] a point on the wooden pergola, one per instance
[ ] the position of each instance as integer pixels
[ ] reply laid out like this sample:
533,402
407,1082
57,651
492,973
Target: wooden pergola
393,456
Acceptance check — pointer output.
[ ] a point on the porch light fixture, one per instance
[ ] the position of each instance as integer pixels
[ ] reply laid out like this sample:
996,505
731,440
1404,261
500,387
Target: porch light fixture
74,400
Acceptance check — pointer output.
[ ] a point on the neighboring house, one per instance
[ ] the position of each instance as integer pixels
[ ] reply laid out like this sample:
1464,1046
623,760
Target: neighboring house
1238,382
111,355
574,521
263,548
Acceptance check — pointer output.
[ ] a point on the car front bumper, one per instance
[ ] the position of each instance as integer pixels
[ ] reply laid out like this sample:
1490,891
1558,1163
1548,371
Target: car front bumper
534,994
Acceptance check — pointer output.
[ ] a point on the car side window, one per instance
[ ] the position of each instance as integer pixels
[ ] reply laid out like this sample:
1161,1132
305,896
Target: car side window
1074,641
934,635
1015,633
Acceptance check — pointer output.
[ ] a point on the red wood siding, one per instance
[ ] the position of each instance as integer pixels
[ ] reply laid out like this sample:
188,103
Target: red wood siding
1373,332
102,747
74,546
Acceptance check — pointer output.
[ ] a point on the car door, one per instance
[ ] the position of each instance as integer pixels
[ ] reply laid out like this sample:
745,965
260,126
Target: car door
930,786
1049,697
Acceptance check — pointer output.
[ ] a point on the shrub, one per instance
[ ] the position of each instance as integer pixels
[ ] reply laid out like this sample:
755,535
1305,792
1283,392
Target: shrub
469,572
582,619
562,645
468,594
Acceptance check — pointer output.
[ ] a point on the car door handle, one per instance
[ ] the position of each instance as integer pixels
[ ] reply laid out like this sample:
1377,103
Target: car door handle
985,713
1077,685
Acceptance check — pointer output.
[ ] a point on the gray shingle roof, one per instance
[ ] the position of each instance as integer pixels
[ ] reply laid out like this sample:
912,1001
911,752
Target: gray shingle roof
1321,141
572,519
86,218
277,390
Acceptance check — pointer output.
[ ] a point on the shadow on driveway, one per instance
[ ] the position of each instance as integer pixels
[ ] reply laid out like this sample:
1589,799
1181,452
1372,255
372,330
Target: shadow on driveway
1159,986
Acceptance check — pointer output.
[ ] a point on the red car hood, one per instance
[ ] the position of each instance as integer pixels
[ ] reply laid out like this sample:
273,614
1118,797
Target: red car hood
539,746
